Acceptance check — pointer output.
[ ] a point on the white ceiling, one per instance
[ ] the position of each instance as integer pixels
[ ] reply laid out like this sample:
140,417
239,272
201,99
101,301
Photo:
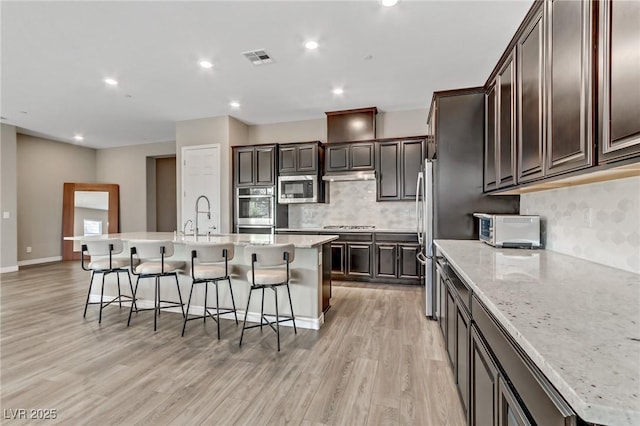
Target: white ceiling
55,56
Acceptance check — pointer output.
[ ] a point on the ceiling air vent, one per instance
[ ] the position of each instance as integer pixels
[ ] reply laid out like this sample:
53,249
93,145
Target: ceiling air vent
258,57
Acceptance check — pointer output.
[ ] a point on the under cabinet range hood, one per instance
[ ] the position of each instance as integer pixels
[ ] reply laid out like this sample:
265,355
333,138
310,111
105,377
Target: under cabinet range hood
350,176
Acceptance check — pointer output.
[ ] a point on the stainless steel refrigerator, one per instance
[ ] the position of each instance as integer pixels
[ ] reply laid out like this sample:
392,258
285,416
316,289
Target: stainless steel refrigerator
450,188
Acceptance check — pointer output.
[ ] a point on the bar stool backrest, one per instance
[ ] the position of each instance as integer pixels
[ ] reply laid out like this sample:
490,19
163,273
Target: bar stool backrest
211,253
152,249
101,247
269,255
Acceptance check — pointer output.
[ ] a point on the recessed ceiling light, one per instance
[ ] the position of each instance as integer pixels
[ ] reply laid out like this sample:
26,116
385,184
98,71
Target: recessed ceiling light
111,81
311,45
78,138
338,91
206,64
234,104
389,3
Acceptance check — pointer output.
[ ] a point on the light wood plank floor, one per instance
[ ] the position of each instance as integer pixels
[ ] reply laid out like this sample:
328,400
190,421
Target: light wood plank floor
377,360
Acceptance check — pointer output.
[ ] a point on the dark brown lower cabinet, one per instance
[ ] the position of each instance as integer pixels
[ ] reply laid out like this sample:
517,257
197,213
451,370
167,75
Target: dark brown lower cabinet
462,355
338,269
451,329
510,410
359,259
395,258
484,384
442,302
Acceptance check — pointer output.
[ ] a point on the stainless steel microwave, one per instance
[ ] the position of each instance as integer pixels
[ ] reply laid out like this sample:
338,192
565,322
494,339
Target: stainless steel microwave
298,189
514,231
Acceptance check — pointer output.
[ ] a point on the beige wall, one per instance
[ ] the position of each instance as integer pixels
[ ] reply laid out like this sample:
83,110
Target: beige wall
43,167
8,199
207,131
127,167
402,123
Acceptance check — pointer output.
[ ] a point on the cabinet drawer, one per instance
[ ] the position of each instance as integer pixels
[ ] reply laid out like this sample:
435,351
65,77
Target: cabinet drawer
543,402
459,288
354,237
397,238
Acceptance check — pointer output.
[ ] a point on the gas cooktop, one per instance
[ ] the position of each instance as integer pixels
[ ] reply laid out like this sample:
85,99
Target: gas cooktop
350,227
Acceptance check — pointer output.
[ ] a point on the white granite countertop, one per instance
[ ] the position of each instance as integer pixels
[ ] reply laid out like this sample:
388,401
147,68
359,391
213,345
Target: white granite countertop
346,231
578,321
299,241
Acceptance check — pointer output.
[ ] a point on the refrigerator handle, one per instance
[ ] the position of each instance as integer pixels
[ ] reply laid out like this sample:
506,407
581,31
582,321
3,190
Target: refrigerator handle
419,213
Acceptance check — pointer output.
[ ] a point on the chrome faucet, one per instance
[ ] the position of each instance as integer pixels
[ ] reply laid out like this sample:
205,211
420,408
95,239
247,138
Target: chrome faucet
184,228
208,212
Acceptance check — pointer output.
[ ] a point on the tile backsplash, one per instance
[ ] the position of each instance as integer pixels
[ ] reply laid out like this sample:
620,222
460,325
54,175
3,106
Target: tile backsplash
598,222
354,203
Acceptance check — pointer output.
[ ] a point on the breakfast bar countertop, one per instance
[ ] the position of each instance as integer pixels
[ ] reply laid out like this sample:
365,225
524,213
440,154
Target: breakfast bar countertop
577,320
299,241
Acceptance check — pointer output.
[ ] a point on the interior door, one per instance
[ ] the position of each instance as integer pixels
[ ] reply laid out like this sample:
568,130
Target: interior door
201,176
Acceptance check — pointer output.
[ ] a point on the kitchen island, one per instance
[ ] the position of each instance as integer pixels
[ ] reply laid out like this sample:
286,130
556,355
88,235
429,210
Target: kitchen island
310,274
573,324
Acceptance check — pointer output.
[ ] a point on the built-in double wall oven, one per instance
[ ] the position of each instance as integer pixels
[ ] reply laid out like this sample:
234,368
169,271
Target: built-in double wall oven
255,210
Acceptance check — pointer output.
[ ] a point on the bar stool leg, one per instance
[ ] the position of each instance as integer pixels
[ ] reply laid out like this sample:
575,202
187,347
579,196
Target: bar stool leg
180,296
133,304
184,324
206,296
217,308
88,294
233,302
293,317
133,296
275,294
119,292
156,299
101,302
262,310
244,324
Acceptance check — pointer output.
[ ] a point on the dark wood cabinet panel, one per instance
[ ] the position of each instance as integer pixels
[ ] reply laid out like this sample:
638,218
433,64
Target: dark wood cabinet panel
413,154
265,166
338,251
569,127
619,80
451,328
307,158
349,157
398,165
359,259
490,175
484,381
462,356
361,156
287,159
388,171
386,260
510,411
337,159
442,300
407,262
506,123
255,165
244,166
530,76
300,158
351,125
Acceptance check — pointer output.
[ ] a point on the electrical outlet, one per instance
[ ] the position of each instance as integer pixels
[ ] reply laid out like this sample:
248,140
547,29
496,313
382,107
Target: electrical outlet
28,249
6,215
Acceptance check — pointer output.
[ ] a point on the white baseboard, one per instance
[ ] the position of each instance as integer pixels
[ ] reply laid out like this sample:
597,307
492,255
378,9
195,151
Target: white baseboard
8,269
302,322
38,261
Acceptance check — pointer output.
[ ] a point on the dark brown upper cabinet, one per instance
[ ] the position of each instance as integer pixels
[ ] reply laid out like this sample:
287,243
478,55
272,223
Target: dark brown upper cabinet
619,80
346,157
500,128
490,175
300,158
254,165
351,125
530,89
569,85
398,165
506,158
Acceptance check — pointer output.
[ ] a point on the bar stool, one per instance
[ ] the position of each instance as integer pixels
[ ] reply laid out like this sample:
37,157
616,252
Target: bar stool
104,266
149,260
206,267
267,271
